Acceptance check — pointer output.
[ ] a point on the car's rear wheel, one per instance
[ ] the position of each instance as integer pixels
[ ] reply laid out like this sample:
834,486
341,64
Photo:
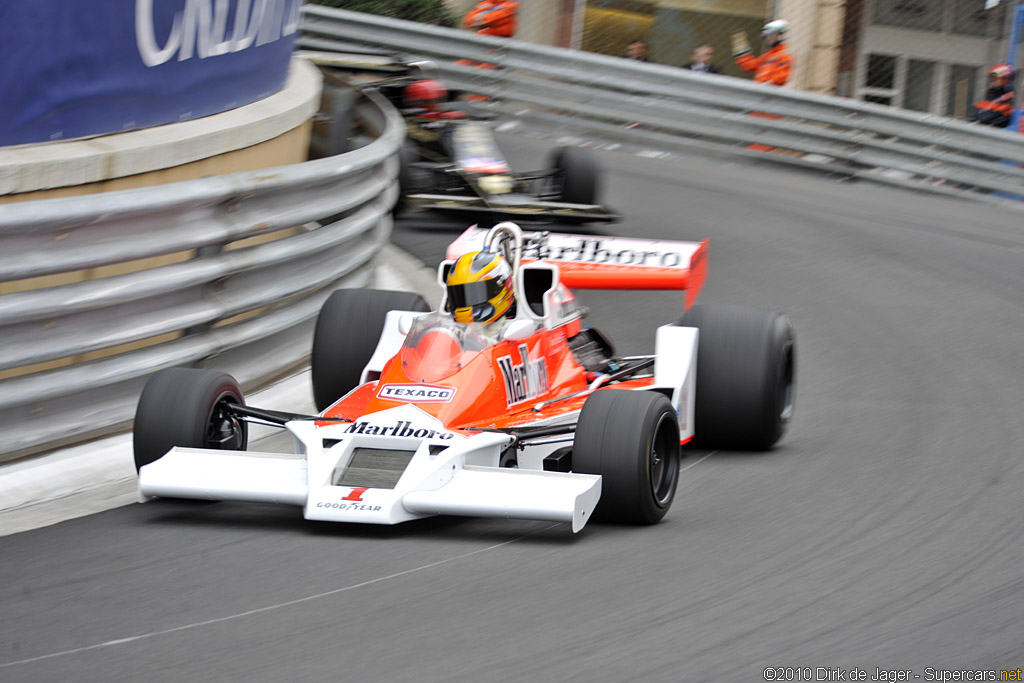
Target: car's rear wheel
630,438
187,407
746,376
347,331
407,156
575,172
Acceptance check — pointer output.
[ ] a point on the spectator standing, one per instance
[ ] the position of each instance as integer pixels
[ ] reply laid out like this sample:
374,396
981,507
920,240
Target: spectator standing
637,49
997,106
775,63
490,18
493,18
701,60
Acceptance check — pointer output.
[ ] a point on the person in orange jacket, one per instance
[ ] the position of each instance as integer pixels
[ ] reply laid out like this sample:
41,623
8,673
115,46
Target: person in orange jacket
775,63
493,18
996,109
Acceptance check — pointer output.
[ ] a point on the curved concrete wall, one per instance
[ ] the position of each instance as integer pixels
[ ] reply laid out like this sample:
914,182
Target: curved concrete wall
75,69
271,132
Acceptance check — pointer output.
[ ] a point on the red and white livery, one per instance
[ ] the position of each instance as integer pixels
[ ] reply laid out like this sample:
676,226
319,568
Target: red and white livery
533,417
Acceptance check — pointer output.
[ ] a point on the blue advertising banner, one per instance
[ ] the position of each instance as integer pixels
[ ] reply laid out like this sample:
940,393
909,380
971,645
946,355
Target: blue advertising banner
73,68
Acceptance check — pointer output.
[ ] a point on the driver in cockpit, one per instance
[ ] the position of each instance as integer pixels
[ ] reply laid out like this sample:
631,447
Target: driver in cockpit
480,288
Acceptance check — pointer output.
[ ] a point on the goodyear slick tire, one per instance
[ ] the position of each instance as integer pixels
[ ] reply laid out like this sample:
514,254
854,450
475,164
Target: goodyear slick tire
630,438
347,330
186,407
576,169
746,376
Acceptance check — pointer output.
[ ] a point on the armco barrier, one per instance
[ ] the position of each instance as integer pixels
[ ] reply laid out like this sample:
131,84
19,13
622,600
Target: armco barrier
227,272
676,109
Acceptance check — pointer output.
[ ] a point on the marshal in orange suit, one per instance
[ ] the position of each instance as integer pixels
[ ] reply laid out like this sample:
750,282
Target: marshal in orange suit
493,18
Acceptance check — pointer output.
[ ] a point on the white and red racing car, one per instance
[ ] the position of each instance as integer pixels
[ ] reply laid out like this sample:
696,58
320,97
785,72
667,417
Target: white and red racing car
538,419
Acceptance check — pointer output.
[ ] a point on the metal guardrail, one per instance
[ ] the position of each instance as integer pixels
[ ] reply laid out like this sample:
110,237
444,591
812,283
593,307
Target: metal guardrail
227,271
676,109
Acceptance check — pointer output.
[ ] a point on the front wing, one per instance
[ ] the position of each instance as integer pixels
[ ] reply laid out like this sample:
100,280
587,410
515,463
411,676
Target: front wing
384,470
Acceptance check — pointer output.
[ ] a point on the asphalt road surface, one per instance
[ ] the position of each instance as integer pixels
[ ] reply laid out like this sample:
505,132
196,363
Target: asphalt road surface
883,532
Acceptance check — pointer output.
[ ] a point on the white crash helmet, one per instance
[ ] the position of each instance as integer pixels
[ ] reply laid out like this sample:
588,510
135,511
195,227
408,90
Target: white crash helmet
780,26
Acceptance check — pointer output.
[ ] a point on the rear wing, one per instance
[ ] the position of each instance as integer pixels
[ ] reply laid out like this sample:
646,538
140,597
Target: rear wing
599,262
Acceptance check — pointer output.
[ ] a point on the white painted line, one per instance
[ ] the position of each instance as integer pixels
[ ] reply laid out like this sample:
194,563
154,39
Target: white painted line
697,462
271,608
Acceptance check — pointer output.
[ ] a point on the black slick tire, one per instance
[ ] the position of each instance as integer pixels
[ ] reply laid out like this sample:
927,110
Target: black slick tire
630,438
746,376
407,155
347,331
187,407
575,171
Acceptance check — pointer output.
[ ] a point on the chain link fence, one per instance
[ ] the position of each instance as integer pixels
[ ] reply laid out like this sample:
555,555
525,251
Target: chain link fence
930,56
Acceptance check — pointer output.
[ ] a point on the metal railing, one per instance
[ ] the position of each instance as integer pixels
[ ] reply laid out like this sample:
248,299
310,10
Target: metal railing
679,110
228,271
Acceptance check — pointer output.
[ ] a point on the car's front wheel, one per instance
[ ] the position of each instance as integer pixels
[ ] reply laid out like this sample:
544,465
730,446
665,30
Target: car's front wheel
630,438
187,407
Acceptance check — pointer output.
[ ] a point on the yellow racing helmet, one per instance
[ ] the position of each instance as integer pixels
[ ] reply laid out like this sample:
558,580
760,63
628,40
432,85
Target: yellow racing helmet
480,287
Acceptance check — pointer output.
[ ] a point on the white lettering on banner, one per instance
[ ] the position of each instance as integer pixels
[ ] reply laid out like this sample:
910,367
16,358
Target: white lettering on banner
201,28
609,250
416,393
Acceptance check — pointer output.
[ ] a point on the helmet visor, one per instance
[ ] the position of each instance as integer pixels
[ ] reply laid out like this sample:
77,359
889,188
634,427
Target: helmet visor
474,293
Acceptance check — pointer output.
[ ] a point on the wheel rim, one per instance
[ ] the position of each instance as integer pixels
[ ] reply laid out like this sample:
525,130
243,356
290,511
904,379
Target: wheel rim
785,398
223,430
663,462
